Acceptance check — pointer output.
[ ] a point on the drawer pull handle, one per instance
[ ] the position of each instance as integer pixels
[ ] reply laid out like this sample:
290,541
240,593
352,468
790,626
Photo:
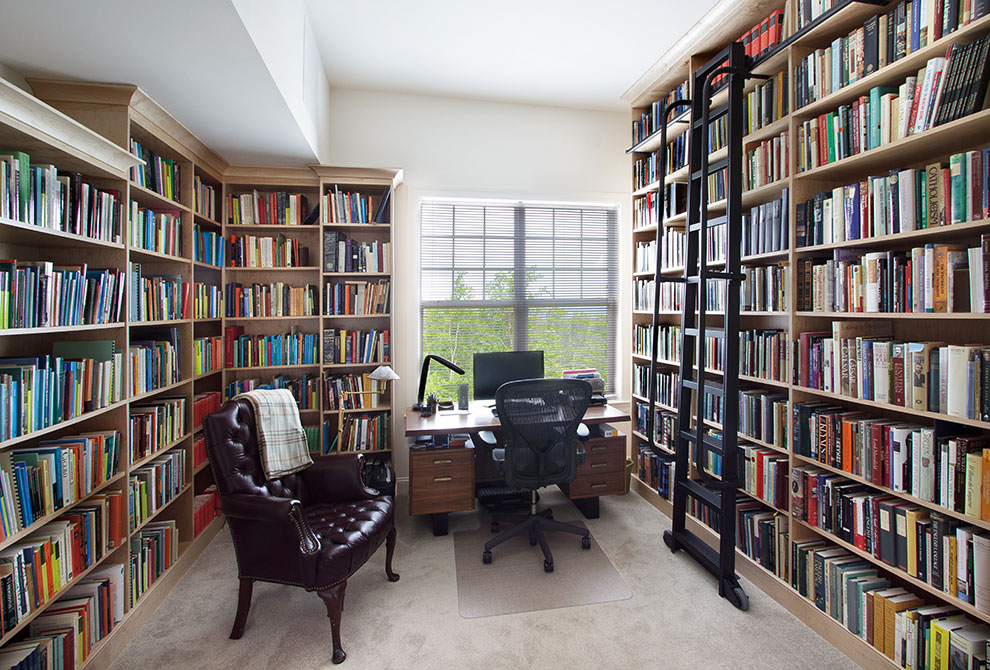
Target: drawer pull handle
600,448
598,465
442,461
598,486
448,478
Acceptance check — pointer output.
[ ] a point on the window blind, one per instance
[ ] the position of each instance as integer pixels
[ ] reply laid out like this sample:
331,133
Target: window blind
498,276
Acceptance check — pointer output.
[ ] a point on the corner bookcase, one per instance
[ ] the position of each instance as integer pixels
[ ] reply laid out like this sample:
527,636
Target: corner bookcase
779,391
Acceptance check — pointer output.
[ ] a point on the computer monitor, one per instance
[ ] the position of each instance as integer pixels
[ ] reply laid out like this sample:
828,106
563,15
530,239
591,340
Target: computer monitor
491,370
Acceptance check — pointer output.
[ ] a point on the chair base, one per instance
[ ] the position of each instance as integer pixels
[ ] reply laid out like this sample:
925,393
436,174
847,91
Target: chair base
535,524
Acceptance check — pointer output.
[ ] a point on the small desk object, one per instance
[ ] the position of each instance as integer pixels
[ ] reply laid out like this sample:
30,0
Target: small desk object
442,479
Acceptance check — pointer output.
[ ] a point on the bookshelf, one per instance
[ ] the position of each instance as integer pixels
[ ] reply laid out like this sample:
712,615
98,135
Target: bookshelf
792,185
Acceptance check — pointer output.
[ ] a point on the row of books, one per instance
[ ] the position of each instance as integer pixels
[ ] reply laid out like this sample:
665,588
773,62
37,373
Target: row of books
357,298
718,134
37,392
34,570
40,294
766,103
644,294
270,299
361,432
764,288
664,424
207,354
209,247
350,391
766,162
763,416
764,475
155,230
716,186
763,354
43,196
272,208
651,118
36,482
934,278
293,348
346,207
762,38
153,551
895,621
153,360
356,346
902,201
205,403
67,632
157,297
204,199
154,485
208,301
199,450
888,114
249,251
206,508
763,535
155,425
860,361
304,388
668,342
655,471
161,175
341,254
666,384
765,229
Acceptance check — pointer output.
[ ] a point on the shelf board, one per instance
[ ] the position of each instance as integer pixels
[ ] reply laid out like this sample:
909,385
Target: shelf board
162,322
16,232
651,228
942,140
156,255
51,330
207,374
913,581
145,196
760,194
652,141
761,380
658,404
356,274
270,318
350,366
64,424
649,188
206,266
763,502
202,466
927,316
161,509
966,229
917,413
202,218
150,457
230,268
767,131
153,392
359,451
257,368
380,408
231,228
208,319
353,226
357,316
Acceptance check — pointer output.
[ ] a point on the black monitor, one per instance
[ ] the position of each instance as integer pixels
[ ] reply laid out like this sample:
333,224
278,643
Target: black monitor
491,370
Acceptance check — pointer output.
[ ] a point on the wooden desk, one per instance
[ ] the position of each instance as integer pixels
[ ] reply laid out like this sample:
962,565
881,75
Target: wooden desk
443,479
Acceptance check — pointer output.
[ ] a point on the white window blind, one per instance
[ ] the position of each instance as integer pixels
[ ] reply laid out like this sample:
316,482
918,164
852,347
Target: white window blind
499,276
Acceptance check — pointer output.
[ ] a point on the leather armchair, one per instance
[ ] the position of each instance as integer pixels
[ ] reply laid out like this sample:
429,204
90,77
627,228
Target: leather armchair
312,529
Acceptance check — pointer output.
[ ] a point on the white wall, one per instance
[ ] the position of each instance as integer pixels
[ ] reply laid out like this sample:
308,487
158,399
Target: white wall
471,148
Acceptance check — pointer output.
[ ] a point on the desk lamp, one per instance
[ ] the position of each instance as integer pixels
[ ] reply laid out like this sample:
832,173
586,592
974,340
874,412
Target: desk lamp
383,373
420,405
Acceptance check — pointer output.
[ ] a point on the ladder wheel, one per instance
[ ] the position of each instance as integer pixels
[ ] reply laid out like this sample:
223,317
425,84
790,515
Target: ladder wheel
586,543
486,558
668,539
547,566
735,595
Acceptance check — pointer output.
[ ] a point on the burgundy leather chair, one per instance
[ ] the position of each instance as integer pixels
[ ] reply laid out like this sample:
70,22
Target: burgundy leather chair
312,529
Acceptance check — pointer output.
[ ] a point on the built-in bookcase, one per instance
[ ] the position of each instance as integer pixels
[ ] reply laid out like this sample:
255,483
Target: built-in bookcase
795,322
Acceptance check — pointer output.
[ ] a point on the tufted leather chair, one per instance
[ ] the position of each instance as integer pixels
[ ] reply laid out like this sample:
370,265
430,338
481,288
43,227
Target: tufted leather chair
313,528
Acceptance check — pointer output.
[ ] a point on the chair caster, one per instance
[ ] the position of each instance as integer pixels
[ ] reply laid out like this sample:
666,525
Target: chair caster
586,543
494,526
547,566
486,558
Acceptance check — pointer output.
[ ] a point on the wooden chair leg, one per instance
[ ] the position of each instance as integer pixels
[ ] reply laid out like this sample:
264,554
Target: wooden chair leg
243,607
333,598
389,550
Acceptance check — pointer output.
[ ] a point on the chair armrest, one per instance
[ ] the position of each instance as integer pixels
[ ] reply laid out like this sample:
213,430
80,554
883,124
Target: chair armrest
277,511
487,438
337,478
582,432
582,435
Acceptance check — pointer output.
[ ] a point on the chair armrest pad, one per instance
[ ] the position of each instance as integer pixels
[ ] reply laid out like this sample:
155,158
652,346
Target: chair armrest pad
582,432
336,479
487,437
273,510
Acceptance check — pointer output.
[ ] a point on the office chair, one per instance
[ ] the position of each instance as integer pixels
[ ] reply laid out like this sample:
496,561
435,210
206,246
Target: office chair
541,424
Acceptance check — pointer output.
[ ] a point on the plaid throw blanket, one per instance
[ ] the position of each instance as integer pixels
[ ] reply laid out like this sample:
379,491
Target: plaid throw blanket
281,441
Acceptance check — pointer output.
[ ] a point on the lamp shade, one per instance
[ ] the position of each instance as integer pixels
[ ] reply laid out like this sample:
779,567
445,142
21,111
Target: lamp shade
383,373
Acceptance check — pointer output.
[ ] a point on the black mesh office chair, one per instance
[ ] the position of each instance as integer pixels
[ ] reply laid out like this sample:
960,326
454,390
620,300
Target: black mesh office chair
542,430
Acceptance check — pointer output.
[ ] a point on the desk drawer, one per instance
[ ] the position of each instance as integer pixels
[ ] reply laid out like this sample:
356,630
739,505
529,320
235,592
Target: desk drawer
603,455
588,486
441,480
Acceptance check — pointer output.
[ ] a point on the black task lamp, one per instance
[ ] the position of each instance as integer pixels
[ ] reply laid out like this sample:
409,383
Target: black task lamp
420,405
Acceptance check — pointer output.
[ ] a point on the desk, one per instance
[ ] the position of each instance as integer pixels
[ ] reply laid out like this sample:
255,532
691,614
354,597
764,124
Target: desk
443,479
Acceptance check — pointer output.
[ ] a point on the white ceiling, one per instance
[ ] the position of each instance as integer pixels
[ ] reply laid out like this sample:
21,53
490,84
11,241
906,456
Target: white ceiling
197,59
582,53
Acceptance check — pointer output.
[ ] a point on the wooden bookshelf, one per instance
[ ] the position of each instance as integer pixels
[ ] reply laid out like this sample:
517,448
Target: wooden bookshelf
933,145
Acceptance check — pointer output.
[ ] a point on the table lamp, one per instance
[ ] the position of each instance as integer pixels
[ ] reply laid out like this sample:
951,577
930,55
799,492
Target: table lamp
382,374
420,405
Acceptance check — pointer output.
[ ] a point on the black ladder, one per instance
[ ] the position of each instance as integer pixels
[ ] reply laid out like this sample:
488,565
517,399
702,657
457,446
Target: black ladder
694,383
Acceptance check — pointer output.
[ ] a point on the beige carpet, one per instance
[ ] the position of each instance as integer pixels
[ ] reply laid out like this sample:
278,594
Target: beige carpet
673,620
516,582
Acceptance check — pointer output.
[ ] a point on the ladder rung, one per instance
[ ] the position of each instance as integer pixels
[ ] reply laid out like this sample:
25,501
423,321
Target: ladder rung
671,280
701,492
714,332
713,114
710,442
713,387
712,168
716,221
713,274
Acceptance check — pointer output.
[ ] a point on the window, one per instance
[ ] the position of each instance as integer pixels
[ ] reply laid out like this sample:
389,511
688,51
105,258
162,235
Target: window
516,276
